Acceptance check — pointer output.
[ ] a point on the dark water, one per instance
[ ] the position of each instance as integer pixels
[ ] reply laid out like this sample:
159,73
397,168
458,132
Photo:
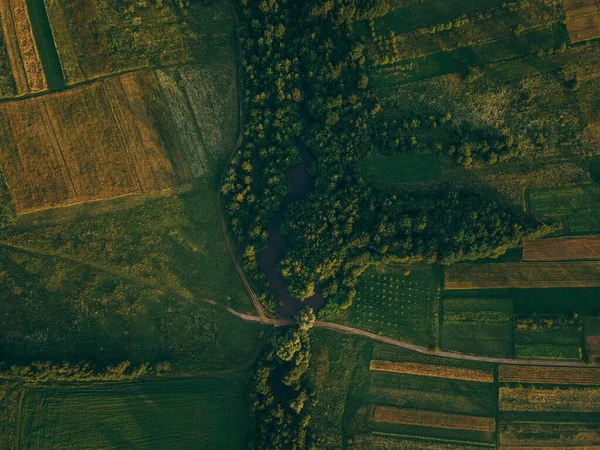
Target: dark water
301,184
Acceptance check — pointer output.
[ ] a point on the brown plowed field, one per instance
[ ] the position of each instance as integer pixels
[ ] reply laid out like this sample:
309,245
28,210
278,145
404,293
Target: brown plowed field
583,19
563,249
548,375
428,370
523,275
592,345
389,414
97,141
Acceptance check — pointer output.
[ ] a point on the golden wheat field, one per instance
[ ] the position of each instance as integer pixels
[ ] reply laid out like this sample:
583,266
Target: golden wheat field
87,143
548,375
428,370
550,400
523,275
389,414
583,19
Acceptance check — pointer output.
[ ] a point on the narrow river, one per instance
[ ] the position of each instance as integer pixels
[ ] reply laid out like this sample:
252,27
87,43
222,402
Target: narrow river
301,184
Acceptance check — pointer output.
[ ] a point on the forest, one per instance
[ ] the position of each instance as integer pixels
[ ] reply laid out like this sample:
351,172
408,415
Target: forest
306,83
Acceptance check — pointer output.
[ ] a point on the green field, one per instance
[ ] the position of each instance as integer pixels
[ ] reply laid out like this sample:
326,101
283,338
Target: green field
478,326
548,344
396,305
208,413
100,38
45,43
402,168
64,311
435,394
576,207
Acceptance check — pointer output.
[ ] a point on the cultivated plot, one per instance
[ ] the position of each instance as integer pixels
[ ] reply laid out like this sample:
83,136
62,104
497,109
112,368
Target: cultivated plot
27,70
478,326
136,133
208,413
583,19
398,303
563,249
523,275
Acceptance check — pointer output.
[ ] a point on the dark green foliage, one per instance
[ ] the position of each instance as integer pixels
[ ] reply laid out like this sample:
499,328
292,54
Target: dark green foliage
335,236
8,216
280,391
308,74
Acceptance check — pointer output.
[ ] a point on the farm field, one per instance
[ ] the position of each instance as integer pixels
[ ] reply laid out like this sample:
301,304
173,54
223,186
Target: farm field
140,136
576,207
403,416
583,19
208,413
7,82
562,249
429,370
522,275
399,305
61,310
581,400
478,326
548,375
27,70
591,326
95,39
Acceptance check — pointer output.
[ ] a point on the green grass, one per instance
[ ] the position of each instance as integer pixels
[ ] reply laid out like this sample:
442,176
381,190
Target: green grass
65,311
402,168
478,326
333,362
435,394
548,344
576,207
207,413
396,305
174,241
102,38
45,43
11,394
420,14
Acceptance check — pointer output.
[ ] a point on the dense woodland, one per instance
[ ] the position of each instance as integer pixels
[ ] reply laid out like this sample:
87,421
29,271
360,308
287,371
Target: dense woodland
305,81
280,391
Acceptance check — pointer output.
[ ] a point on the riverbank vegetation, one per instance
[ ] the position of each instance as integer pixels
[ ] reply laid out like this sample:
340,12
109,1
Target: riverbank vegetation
306,80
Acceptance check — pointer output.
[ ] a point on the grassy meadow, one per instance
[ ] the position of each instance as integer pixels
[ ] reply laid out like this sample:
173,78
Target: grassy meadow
208,413
95,39
65,311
